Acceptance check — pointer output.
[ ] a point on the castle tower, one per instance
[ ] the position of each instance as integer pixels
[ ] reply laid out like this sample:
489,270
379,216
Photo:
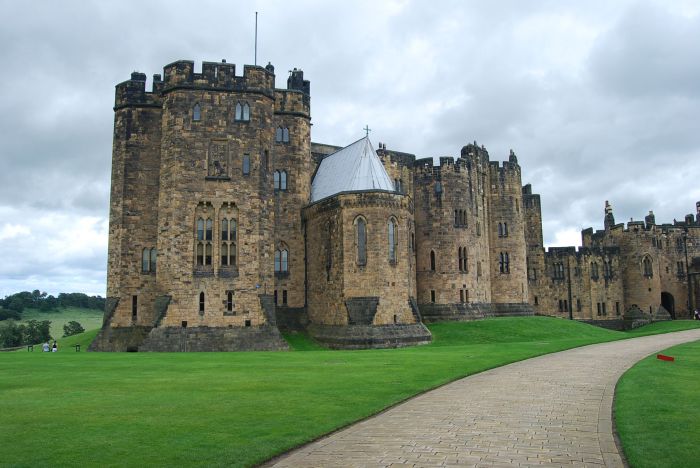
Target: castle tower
506,232
133,217
452,254
292,168
532,209
210,194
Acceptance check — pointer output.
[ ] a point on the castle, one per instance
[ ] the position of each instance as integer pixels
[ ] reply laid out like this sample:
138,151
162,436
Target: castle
227,223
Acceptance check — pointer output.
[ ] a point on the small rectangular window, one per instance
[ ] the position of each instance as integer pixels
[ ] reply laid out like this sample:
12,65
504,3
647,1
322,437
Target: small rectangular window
247,323
617,308
246,164
284,297
432,296
275,297
134,307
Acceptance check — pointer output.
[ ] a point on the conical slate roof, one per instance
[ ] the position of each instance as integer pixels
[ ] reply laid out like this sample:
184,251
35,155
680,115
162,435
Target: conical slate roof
355,167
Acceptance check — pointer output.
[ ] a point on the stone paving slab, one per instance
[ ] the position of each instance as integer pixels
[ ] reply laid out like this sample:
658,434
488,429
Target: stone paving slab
553,410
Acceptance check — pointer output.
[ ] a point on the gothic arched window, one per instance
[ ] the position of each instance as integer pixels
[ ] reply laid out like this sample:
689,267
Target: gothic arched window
145,260
285,135
196,113
154,256
201,303
278,135
361,240
432,260
647,267
393,240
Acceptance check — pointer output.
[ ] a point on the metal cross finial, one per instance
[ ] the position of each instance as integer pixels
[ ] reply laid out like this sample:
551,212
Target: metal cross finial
367,130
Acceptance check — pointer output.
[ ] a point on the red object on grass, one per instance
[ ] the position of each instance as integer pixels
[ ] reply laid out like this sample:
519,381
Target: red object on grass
663,357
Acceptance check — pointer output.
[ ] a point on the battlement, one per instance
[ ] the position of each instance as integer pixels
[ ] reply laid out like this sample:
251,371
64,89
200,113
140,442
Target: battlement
218,75
133,93
397,157
214,76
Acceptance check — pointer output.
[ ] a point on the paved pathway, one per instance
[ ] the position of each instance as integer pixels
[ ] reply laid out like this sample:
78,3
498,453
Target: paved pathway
554,410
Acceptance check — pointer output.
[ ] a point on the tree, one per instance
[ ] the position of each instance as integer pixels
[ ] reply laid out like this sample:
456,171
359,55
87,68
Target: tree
9,314
72,328
37,331
11,335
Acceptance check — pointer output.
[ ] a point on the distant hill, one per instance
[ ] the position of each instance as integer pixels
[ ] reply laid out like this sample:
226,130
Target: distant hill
12,306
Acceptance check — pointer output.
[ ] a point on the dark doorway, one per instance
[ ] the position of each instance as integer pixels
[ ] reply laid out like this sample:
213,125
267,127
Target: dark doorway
668,303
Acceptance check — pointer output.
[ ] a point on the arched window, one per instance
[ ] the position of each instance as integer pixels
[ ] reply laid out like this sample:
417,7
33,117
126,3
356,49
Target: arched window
207,256
154,256
456,217
462,253
504,263
393,238
246,164
283,180
224,229
246,112
209,235
145,260
361,234
285,135
196,113
228,229
432,260
201,303
594,270
607,269
281,260
505,229
278,134
500,230
200,229
229,301
200,253
239,111
647,267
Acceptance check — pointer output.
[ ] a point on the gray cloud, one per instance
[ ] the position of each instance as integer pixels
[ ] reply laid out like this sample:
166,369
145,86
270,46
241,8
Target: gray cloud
598,99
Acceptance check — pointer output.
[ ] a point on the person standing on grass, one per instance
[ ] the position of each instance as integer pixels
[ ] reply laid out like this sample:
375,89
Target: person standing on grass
55,347
45,347
696,315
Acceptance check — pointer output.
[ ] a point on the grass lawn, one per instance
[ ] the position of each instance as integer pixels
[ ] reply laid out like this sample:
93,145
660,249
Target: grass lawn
223,409
88,318
657,410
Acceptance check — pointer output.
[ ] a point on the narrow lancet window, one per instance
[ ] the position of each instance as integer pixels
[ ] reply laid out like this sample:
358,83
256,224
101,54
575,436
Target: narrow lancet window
361,242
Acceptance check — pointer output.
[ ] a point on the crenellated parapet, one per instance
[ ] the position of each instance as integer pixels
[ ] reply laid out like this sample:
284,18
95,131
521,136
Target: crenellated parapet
215,76
132,93
218,76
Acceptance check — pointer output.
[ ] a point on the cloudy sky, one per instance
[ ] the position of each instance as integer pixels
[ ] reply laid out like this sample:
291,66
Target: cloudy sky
600,100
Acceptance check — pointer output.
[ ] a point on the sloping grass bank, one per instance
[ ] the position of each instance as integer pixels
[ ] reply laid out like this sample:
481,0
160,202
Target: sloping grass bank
224,409
657,410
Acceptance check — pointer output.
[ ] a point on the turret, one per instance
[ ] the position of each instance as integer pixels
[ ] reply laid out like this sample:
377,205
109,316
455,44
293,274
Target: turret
609,220
650,220
296,81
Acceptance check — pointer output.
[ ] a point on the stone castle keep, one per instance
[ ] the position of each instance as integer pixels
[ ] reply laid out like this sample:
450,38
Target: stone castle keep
228,223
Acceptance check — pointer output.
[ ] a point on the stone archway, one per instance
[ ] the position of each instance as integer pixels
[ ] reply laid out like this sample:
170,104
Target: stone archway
668,303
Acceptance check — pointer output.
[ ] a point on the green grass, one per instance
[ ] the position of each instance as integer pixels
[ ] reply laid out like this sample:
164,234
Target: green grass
88,318
657,409
223,409
300,341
